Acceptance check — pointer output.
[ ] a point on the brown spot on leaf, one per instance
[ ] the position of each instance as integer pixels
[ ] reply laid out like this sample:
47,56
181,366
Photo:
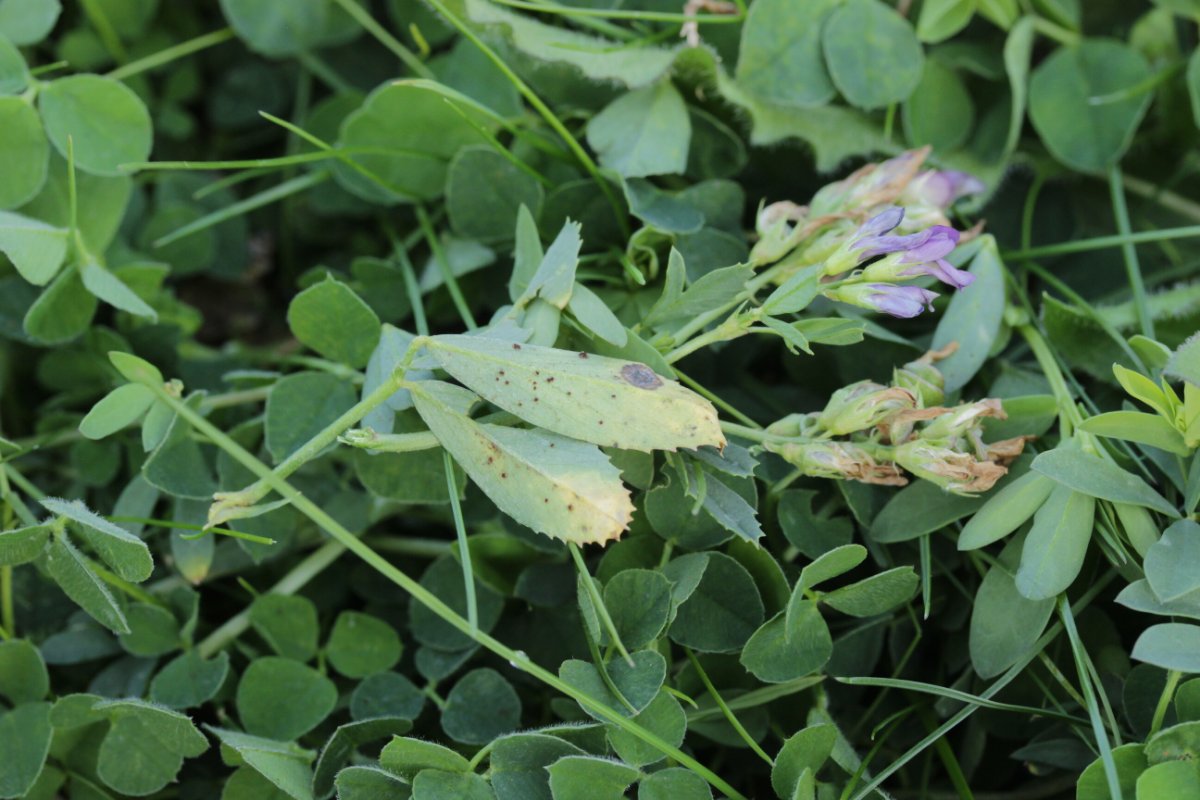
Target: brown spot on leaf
641,376
549,380
503,474
516,346
583,355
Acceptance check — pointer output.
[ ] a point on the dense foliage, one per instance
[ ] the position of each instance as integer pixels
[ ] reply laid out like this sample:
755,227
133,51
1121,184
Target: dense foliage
585,399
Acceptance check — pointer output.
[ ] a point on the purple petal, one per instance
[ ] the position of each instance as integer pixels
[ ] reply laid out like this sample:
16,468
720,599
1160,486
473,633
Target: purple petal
881,223
937,242
950,275
900,301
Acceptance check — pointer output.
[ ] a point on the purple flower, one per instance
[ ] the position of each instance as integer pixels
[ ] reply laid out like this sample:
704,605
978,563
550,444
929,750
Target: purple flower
897,300
940,188
944,271
930,244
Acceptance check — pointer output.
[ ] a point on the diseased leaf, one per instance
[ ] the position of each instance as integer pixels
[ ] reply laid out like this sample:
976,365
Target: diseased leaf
601,400
561,487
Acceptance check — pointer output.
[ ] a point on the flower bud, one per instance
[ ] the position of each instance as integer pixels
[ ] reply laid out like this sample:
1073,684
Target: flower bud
863,405
898,301
955,472
776,235
839,460
962,421
923,380
794,425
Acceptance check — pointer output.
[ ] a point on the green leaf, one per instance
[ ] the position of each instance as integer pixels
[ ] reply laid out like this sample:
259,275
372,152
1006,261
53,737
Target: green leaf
1004,623
331,319
107,122
673,783
639,602
14,78
554,485
605,401
178,466
24,149
300,406
713,289
112,290
278,29
780,60
35,248
973,318
145,746
1096,477
283,699
730,510
1076,105
66,566
1172,564
154,631
23,677
22,545
25,22
554,278
1018,51
807,749
723,611
829,565
135,369
872,53
25,735
1185,361
386,694
918,509
519,761
117,410
121,550
369,783
876,594
485,191
405,134
664,718
63,311
1170,779
590,778
432,784
796,293
345,740
444,579
941,19
939,112
1135,426
1170,645
406,757
592,313
361,645
284,765
1053,552
189,681
1006,510
1130,762
789,645
638,684
643,132
480,707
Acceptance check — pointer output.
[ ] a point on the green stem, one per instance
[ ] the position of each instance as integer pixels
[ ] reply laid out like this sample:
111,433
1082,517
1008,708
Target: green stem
443,263
605,13
1132,267
1110,769
589,585
1104,242
464,550
1164,701
8,615
368,23
163,57
309,450
349,541
1068,414
726,710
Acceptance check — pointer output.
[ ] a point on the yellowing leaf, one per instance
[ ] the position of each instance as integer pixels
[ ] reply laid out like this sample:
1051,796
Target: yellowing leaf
605,401
561,487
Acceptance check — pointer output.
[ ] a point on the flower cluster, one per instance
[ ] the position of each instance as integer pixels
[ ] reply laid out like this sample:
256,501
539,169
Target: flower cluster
881,226
874,433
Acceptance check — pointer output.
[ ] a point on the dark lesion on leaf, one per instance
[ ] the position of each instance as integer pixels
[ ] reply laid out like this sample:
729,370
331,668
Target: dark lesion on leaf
641,376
